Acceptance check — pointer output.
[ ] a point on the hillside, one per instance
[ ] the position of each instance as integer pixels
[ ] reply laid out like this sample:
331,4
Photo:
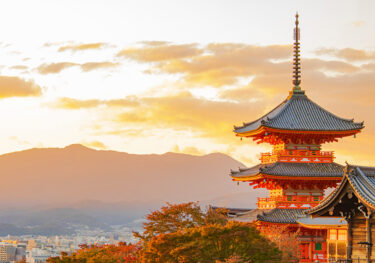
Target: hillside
60,176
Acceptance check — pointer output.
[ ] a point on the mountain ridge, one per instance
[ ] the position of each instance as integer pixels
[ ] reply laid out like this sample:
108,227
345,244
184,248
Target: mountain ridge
76,172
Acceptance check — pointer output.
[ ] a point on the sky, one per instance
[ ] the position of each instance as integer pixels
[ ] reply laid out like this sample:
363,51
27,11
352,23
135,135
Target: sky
175,76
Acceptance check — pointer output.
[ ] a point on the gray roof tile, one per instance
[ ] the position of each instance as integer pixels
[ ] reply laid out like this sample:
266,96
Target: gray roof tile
281,215
293,169
302,114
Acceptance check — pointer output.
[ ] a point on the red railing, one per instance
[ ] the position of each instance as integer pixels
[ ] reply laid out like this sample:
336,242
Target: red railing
287,155
288,201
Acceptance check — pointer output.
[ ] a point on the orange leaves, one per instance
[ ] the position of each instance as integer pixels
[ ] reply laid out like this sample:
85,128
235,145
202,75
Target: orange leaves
121,253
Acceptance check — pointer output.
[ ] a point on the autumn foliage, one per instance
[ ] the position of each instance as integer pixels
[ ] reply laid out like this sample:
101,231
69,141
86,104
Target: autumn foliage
185,233
121,253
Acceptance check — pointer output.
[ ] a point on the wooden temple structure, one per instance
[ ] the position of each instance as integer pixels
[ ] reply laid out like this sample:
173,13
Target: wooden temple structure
296,172
354,201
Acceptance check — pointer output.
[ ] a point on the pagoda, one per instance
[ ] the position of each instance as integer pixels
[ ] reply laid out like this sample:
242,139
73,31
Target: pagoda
296,172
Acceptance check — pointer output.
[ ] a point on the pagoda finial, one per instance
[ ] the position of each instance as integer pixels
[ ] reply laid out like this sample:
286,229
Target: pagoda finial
296,59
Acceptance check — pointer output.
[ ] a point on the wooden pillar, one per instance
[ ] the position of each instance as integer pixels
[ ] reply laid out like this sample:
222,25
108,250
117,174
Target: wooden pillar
349,248
368,237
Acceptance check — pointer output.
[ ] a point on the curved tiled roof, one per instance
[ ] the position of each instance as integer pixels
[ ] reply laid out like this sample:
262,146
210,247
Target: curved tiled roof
362,181
300,113
292,169
281,215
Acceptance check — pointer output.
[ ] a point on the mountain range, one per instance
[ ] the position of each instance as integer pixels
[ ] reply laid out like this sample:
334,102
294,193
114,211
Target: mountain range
111,187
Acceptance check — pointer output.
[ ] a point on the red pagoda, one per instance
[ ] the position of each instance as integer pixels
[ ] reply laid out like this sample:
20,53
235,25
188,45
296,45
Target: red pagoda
297,171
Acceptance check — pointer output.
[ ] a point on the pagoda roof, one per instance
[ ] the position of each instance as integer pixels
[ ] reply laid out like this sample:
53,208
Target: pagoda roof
281,215
290,170
299,113
358,180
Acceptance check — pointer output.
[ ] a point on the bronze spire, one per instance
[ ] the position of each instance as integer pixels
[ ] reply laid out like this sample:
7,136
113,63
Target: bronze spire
296,60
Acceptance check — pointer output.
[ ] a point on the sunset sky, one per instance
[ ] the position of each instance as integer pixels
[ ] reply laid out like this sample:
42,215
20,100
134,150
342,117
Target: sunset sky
159,76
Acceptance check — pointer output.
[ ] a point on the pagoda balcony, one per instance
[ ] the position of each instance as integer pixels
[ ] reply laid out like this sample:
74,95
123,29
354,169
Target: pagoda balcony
303,156
298,201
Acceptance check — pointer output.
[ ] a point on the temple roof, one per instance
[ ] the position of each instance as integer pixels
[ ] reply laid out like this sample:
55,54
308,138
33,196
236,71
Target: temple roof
281,215
291,170
361,180
322,222
300,113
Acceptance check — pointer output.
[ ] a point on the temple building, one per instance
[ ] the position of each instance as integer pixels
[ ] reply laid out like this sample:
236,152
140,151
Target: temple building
297,171
354,201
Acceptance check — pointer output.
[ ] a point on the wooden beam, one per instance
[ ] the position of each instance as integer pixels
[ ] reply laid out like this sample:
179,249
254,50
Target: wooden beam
349,248
368,235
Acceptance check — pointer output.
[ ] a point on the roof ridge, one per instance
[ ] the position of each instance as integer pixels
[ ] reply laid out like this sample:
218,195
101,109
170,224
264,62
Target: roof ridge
369,188
245,124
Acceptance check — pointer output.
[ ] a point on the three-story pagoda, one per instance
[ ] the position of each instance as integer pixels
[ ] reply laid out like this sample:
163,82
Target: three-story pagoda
297,171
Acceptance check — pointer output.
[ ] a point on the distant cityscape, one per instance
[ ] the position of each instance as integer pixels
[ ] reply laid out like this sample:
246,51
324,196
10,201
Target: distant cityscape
37,249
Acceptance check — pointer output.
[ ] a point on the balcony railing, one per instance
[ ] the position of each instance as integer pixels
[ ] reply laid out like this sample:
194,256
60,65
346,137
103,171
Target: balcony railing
288,201
289,155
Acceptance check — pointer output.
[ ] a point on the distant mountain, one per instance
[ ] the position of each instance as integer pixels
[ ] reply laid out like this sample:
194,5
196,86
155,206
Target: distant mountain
58,176
56,190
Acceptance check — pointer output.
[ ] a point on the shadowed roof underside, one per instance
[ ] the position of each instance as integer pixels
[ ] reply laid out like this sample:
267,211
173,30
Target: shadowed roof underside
361,180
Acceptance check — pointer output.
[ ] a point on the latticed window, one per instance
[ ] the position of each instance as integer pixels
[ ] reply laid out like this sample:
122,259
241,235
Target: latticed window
341,249
337,243
333,234
332,249
342,235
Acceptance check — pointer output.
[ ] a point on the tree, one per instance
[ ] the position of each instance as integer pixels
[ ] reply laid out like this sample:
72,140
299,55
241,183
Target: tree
286,239
172,218
121,253
185,233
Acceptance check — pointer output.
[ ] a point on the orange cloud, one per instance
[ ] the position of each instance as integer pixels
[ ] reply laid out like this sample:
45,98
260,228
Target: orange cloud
97,65
225,63
80,47
358,23
95,144
75,104
183,111
349,54
55,67
188,150
16,87
19,67
162,52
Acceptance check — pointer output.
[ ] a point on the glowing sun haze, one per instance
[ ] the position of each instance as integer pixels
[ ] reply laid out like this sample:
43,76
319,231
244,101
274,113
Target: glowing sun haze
158,76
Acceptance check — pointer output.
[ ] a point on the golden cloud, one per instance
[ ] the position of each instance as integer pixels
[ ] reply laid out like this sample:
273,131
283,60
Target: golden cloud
224,64
98,65
55,67
188,150
160,52
80,47
183,111
19,67
349,54
75,104
11,86
95,144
